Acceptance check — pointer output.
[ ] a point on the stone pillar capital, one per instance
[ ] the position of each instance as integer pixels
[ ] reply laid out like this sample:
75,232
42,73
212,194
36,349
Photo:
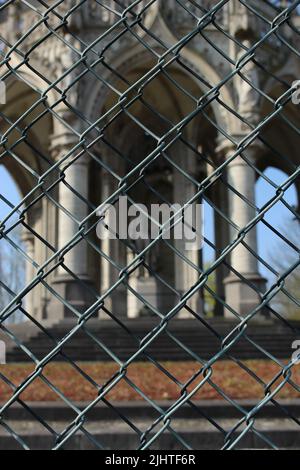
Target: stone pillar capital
27,237
63,144
227,148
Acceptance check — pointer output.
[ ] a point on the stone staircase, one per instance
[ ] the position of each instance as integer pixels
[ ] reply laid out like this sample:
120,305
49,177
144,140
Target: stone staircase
112,340
106,426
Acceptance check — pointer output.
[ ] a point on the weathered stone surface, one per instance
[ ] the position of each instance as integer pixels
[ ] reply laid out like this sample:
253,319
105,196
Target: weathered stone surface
80,88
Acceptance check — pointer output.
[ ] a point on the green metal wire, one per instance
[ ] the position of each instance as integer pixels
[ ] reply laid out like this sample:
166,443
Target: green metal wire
129,16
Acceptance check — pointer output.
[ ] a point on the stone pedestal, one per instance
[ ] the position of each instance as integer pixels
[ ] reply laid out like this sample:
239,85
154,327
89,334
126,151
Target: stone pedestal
241,297
147,288
74,292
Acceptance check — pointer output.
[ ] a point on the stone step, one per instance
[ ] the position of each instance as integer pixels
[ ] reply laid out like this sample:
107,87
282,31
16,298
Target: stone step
215,409
111,432
274,338
118,435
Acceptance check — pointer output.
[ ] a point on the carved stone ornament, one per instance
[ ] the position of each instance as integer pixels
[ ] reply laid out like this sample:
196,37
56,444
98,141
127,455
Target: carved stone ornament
92,14
185,15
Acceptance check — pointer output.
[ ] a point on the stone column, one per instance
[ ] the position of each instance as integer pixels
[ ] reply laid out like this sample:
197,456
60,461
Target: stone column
220,198
76,176
116,303
28,240
106,248
72,284
185,275
241,297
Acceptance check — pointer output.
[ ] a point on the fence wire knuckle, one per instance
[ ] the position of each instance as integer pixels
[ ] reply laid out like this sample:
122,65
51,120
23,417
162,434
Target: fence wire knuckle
176,103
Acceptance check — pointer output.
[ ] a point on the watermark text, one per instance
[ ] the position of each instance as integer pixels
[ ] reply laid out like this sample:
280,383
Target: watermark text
125,221
2,352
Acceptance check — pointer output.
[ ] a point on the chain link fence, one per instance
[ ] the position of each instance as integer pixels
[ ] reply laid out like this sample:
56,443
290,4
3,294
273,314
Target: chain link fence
156,102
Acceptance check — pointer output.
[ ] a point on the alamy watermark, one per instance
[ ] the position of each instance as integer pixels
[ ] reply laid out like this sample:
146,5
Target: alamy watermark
2,352
2,92
296,93
296,353
125,221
